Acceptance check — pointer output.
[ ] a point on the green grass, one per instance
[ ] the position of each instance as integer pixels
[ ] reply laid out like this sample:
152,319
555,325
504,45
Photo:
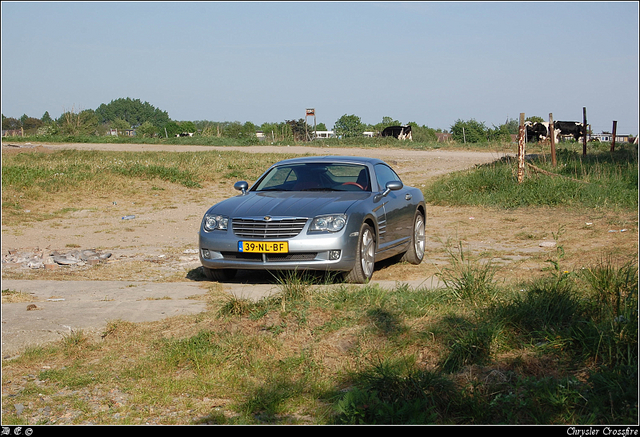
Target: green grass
468,279
599,180
236,142
558,350
71,168
74,174
109,139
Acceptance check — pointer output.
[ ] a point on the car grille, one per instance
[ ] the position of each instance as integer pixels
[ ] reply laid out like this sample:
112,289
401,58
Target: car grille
263,229
272,257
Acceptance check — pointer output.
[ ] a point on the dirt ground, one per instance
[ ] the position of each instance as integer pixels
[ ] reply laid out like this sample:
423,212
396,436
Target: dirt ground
159,245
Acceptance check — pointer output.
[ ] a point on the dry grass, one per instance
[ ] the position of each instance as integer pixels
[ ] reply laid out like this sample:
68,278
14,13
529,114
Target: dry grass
12,296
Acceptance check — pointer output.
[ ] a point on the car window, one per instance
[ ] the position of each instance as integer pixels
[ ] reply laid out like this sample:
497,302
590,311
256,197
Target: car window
316,177
385,174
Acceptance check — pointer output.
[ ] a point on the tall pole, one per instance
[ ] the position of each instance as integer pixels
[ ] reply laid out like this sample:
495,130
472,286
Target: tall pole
521,135
613,139
584,126
552,133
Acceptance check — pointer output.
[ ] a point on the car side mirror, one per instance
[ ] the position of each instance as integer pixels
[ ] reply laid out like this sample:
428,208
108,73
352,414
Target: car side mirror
391,186
241,186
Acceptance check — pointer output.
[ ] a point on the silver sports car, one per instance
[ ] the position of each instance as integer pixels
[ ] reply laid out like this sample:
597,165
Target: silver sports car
332,213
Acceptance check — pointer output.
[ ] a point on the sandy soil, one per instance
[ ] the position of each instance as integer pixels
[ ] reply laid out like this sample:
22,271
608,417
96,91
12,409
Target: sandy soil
159,245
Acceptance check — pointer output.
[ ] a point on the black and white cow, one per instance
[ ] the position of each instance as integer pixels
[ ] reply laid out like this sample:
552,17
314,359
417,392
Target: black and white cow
570,128
536,131
400,132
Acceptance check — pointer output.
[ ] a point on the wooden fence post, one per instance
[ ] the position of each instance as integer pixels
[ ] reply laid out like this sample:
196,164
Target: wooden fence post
584,125
613,138
553,140
521,140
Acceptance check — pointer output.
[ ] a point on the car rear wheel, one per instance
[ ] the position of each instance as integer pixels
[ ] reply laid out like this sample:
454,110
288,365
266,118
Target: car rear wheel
415,253
365,257
219,275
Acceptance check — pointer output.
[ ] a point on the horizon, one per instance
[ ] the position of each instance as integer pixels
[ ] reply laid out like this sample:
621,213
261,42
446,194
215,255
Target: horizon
267,62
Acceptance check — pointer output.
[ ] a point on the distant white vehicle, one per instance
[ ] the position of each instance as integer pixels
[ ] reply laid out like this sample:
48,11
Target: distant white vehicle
324,134
331,134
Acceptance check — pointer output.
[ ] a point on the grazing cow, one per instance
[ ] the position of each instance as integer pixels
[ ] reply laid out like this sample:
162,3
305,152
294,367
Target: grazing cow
538,131
400,132
570,128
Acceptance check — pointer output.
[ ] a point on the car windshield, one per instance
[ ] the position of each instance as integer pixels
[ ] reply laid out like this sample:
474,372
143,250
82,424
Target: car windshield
316,177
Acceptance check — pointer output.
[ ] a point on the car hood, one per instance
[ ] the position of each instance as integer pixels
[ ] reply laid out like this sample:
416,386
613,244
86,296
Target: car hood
288,204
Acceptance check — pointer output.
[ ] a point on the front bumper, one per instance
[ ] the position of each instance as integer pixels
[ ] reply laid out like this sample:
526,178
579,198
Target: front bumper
307,251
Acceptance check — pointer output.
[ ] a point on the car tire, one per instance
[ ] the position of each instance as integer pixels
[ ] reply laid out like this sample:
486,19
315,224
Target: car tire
219,275
415,253
365,257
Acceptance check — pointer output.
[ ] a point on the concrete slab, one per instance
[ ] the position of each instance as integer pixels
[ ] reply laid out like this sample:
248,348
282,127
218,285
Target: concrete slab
62,307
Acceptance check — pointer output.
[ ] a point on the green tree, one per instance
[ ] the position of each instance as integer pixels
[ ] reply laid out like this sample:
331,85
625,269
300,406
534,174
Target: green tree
512,126
277,131
470,131
120,124
349,126
386,122
500,133
534,119
133,111
172,128
178,127
188,127
146,130
10,123
82,123
46,118
249,130
299,129
31,124
422,133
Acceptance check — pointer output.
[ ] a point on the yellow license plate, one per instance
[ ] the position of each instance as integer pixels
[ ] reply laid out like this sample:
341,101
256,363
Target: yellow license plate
263,246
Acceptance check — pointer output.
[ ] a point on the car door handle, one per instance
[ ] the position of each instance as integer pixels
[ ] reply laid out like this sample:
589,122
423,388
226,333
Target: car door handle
407,196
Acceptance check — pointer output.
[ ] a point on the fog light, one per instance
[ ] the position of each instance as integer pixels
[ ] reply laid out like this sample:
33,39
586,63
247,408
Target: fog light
206,254
334,255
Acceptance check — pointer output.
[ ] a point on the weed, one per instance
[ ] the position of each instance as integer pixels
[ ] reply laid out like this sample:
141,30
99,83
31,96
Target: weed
235,306
470,346
395,392
466,279
293,285
611,337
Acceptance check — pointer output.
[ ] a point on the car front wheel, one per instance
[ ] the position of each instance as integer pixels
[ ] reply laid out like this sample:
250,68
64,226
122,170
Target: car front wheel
365,257
415,253
219,275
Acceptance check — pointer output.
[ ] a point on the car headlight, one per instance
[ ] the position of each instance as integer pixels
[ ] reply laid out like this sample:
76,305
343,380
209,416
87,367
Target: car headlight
330,223
214,222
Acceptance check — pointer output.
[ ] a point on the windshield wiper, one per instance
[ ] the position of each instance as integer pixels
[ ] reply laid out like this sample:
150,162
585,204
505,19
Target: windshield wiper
320,189
273,189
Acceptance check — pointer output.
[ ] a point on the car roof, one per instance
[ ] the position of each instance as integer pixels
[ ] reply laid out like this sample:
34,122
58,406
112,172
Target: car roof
332,159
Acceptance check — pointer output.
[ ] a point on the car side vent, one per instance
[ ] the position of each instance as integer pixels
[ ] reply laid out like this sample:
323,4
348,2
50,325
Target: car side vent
268,229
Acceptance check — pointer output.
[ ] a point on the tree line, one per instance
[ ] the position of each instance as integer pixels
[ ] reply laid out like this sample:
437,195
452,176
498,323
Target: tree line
126,114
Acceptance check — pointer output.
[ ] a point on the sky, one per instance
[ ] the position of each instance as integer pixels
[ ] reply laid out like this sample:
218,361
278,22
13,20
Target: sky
431,63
